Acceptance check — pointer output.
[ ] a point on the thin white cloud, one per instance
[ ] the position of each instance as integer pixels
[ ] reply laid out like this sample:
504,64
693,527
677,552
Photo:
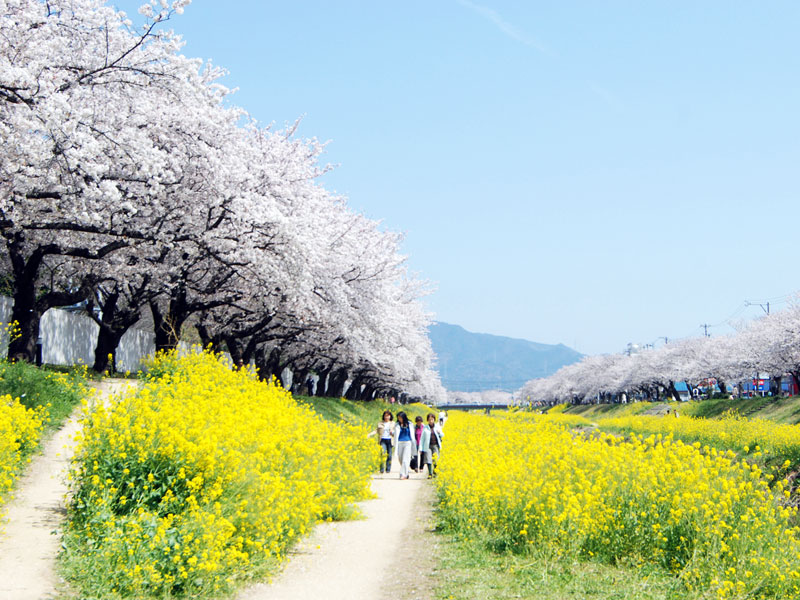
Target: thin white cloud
507,28
604,94
512,32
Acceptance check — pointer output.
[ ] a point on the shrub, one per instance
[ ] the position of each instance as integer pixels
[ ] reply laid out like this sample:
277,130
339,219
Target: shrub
203,474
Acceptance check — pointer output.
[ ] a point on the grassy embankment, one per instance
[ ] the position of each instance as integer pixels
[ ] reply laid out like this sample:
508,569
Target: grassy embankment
58,390
371,412
761,430
777,409
33,402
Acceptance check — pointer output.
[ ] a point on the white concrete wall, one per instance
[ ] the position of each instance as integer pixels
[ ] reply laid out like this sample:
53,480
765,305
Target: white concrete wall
69,338
6,304
135,346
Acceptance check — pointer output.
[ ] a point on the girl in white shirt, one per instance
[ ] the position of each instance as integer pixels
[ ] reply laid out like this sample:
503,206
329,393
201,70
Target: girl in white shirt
404,442
385,439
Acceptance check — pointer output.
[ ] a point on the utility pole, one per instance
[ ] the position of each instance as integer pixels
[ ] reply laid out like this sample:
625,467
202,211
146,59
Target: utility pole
764,307
705,327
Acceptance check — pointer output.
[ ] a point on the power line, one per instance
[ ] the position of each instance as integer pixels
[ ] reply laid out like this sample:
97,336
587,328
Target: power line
766,310
765,303
739,310
775,299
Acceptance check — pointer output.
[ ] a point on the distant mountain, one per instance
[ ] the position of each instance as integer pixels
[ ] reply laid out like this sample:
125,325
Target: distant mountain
472,362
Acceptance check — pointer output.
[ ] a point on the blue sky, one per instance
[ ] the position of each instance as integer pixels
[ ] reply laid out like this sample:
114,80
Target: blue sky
586,173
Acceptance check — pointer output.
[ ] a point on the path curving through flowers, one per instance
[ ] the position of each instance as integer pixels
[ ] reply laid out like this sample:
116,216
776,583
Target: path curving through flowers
30,538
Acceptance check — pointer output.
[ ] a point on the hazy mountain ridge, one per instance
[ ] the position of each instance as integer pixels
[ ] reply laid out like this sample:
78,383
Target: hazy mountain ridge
472,362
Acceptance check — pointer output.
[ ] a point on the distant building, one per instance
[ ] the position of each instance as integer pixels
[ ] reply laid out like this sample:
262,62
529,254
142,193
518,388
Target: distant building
683,391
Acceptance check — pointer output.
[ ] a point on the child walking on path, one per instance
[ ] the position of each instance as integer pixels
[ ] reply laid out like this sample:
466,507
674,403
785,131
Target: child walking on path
404,442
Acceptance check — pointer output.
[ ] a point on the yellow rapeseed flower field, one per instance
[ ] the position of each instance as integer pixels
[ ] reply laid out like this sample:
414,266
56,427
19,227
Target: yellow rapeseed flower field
20,430
552,416
201,476
534,486
746,436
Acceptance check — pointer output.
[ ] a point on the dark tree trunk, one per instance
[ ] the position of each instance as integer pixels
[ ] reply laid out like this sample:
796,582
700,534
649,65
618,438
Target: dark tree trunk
673,392
235,350
26,331
168,326
107,344
209,341
250,349
28,308
275,366
299,380
27,312
206,339
354,390
269,365
113,324
336,383
261,366
323,382
775,385
160,328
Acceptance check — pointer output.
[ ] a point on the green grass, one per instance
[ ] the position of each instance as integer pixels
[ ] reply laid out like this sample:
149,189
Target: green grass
777,409
469,570
87,373
370,412
59,391
607,410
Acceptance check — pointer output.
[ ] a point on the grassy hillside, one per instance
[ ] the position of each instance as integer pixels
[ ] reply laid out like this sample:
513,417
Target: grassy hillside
779,410
339,409
58,390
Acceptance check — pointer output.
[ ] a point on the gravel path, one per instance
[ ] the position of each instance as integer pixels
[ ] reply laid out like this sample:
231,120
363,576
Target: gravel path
385,555
30,542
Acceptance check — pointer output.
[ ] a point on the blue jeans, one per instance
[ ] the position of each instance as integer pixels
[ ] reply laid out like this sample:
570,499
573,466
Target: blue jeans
386,445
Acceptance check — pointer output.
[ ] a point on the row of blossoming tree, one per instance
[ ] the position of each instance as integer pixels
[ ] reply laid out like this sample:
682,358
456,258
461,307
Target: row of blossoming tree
128,182
767,345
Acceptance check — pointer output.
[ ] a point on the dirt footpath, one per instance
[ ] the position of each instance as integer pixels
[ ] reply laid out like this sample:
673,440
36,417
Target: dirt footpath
388,554
30,540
